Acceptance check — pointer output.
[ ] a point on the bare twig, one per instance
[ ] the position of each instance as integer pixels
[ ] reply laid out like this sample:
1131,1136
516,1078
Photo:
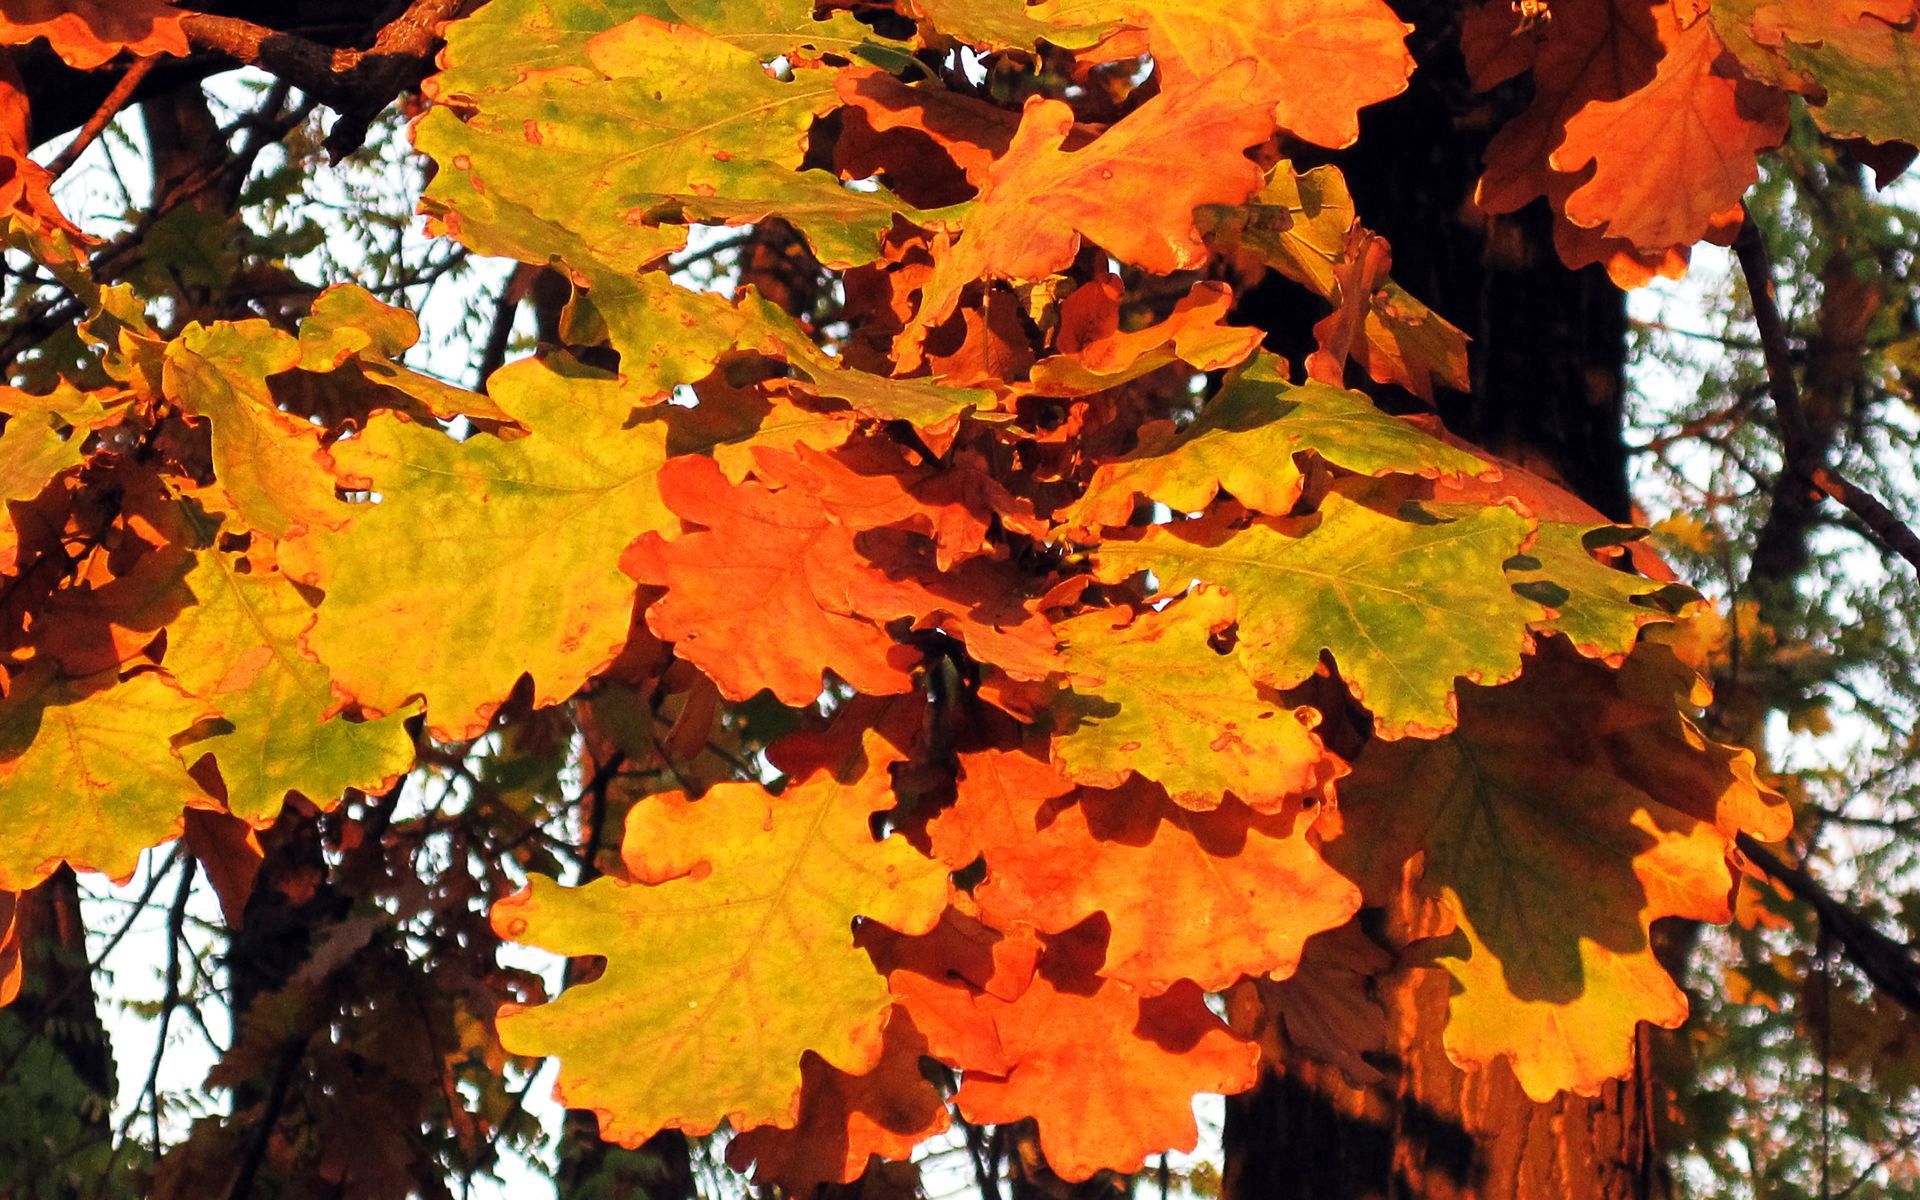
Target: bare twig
103,116
1801,455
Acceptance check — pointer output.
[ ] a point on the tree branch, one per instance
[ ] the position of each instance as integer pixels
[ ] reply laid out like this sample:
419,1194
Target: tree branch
1887,964
103,116
1802,457
357,84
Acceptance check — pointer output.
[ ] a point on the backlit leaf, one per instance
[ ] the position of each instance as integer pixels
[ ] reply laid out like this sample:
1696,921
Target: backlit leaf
732,898
1405,605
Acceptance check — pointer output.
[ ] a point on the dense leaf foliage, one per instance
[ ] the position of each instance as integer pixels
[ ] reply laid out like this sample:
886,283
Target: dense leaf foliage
1074,656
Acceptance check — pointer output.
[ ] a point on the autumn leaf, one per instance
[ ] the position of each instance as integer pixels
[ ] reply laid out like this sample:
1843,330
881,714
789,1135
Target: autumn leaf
730,900
90,33
1236,893
485,559
1858,63
1131,191
1672,158
238,649
1554,865
1243,443
12,962
1326,1009
1150,695
658,120
271,463
1074,1050
1595,604
1292,41
1096,354
43,436
89,775
1592,52
669,335
757,597
1405,605
847,1120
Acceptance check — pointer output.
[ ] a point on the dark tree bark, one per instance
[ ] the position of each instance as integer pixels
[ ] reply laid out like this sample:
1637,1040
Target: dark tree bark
1548,368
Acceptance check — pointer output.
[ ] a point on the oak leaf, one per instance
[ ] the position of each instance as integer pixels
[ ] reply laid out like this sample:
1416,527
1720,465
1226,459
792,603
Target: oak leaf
758,596
1405,605
732,901
1235,892
1320,61
1096,354
1150,695
1243,443
1595,604
238,649
1076,1047
89,773
1858,62
1553,865
1672,158
658,120
1132,190
90,33
485,559
271,463
848,1119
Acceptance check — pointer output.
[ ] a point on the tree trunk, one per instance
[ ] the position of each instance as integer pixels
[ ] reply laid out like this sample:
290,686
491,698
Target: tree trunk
1548,365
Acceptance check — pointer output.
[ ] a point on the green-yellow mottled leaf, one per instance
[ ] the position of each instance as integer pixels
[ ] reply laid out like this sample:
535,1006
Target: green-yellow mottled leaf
672,335
1858,61
349,327
1405,605
574,129
730,953
1594,605
486,559
88,775
238,648
269,462
1153,696
1243,443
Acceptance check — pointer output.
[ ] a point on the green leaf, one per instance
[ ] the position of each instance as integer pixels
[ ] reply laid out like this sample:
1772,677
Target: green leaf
1244,440
1153,696
238,648
487,559
566,132
1406,605
1596,606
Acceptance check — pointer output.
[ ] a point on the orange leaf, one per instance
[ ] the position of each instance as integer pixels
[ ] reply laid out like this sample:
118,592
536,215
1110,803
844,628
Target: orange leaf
845,1120
1320,61
1672,158
88,33
1233,893
1110,1076
1132,190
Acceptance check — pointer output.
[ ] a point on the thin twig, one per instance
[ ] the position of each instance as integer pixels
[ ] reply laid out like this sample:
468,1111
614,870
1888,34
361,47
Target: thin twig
1887,964
1801,457
103,116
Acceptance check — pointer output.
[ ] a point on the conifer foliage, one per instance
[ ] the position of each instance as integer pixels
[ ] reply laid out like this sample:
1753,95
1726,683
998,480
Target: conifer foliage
1073,656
